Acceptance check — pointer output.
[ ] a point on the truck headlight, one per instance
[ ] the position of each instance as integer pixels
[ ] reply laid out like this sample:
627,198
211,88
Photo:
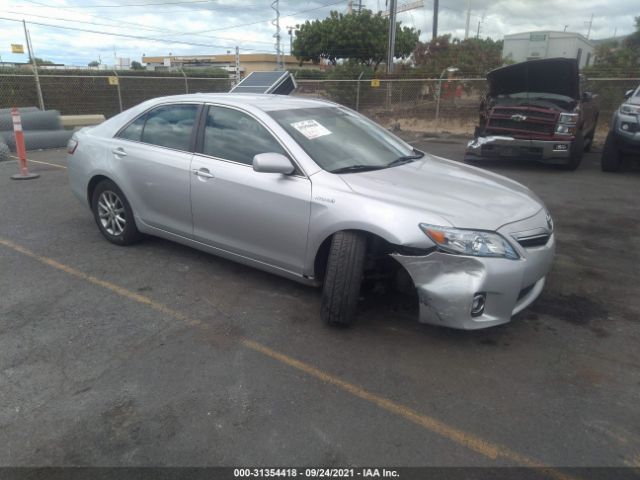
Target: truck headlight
566,130
568,118
629,109
469,242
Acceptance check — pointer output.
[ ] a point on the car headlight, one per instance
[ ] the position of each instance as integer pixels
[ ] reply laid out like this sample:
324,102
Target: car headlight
568,118
566,130
629,109
469,242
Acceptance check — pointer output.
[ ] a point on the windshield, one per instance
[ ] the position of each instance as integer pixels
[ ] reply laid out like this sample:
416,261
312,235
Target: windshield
341,141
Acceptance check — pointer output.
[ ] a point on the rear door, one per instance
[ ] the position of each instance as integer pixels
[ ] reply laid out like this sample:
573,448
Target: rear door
262,216
152,156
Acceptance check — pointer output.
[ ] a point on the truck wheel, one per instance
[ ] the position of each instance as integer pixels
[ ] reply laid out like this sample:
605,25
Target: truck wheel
589,138
113,214
611,159
576,152
343,277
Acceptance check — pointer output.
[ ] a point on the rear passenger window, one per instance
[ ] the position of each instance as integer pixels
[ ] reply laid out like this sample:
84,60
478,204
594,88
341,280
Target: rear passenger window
170,126
235,136
134,130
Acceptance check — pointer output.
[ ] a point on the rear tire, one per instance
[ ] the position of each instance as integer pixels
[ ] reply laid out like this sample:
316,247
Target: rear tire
343,278
611,159
576,152
113,214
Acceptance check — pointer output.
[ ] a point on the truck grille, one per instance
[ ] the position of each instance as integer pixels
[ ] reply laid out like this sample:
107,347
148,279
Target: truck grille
526,126
522,120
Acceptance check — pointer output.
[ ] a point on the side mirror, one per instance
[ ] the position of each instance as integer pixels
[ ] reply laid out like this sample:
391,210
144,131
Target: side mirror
628,93
272,163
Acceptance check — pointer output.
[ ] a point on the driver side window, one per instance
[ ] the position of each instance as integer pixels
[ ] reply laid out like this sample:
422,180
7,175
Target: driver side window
233,135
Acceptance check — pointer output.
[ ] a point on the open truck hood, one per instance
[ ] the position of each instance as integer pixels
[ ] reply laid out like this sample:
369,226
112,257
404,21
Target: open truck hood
552,75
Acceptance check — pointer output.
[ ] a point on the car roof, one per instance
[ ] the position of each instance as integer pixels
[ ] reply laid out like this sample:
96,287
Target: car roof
265,102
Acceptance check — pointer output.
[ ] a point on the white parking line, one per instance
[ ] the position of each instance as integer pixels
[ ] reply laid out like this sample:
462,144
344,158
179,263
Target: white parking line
41,162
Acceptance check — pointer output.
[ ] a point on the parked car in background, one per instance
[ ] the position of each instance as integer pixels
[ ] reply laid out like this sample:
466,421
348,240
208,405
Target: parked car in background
317,193
624,136
536,110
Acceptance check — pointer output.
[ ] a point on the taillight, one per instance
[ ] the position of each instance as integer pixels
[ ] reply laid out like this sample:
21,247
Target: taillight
71,146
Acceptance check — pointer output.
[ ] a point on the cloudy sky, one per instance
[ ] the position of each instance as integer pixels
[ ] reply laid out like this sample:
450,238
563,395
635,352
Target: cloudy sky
160,27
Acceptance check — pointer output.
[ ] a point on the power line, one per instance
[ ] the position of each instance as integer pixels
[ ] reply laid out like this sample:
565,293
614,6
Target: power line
129,23
113,34
263,21
74,7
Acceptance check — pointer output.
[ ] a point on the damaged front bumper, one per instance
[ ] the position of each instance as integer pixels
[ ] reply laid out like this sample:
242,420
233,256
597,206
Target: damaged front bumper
509,147
447,284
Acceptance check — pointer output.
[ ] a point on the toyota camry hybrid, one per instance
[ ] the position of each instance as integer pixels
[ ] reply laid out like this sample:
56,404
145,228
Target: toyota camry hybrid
317,193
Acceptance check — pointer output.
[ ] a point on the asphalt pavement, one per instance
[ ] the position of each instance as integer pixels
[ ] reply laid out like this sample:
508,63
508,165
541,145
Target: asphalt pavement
157,354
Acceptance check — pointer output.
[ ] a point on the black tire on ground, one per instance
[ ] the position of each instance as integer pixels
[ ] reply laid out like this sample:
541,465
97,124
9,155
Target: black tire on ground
575,153
343,278
588,140
129,233
611,159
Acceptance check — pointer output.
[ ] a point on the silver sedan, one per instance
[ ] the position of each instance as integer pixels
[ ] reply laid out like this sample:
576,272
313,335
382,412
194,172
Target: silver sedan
317,193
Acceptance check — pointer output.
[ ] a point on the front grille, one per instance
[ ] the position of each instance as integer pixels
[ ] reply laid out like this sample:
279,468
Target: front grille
496,151
531,114
536,241
524,126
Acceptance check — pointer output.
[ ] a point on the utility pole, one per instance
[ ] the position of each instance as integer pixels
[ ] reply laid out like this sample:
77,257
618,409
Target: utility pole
466,29
435,19
237,65
590,25
391,48
276,23
32,58
359,6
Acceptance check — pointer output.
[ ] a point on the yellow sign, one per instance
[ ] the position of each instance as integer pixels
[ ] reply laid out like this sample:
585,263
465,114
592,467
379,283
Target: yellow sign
113,81
375,83
17,48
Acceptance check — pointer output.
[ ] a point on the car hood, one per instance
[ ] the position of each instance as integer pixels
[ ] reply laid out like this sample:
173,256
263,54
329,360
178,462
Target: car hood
467,197
552,75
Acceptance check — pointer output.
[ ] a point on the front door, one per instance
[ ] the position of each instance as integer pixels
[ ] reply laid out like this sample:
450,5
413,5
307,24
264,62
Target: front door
262,216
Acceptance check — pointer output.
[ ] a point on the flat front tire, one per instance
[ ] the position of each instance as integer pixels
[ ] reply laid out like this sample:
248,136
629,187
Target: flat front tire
343,278
611,159
113,214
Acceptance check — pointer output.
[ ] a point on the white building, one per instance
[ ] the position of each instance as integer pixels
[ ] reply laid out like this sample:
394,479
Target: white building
520,47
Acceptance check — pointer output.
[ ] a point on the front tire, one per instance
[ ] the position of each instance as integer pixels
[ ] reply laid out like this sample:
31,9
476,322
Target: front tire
577,150
611,159
343,278
113,214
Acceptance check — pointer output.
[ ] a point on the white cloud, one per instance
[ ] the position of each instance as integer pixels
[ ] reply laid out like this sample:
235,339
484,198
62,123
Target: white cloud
177,23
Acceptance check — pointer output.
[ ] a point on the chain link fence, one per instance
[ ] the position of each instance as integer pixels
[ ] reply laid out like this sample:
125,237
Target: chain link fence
436,106
106,94
422,105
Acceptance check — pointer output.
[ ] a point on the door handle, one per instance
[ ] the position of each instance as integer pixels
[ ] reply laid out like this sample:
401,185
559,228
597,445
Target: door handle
203,172
119,152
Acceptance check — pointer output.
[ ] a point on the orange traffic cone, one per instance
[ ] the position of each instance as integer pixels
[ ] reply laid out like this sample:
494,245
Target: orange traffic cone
20,148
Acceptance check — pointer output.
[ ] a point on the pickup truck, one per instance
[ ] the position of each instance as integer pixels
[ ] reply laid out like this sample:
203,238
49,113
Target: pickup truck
536,110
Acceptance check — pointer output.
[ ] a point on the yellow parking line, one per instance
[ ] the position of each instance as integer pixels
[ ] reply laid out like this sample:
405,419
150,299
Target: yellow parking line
470,441
40,161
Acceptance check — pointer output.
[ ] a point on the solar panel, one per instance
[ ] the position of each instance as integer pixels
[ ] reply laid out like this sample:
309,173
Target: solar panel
279,83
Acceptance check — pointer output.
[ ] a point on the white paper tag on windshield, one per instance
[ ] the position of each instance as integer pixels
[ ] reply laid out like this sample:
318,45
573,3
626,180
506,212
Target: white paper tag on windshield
311,129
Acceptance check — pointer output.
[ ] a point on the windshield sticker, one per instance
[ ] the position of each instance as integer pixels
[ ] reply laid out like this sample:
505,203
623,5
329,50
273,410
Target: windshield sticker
311,129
